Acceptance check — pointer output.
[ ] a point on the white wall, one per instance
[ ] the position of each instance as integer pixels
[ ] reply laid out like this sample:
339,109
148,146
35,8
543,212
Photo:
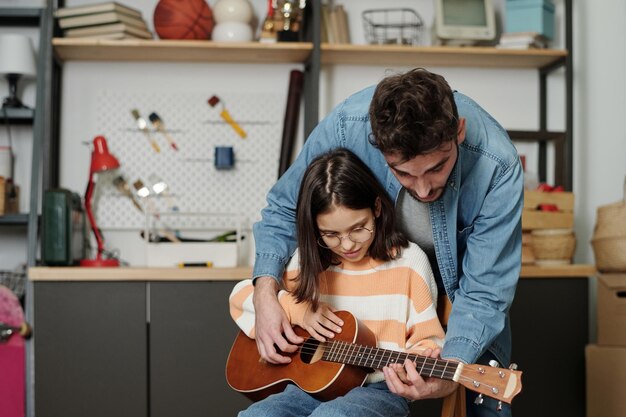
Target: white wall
510,95
600,106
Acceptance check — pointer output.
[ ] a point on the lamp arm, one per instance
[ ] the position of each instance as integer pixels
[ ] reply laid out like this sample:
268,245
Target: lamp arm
90,216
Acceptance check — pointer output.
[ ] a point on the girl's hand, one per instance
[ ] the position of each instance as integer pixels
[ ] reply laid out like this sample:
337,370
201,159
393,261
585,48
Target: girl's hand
323,323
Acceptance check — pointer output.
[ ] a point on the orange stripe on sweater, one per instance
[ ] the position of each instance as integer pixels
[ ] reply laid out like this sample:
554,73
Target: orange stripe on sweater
238,300
401,280
425,329
390,331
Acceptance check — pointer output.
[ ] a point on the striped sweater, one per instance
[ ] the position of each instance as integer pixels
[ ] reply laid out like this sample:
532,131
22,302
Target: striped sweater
395,299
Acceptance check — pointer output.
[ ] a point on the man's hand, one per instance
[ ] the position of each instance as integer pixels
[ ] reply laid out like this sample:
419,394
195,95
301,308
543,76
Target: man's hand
271,323
408,383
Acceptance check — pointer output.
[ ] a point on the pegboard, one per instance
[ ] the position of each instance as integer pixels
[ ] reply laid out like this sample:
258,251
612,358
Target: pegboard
194,184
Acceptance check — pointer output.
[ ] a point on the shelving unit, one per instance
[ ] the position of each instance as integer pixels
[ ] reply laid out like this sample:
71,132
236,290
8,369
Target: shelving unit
17,17
44,160
314,54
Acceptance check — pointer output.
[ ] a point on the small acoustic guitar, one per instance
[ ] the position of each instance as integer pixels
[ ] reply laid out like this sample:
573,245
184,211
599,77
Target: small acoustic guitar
332,368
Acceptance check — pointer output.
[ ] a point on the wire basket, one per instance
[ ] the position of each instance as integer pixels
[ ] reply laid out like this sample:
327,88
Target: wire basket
14,280
399,26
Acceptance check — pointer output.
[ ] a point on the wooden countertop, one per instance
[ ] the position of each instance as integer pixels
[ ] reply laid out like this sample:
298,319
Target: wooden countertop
138,274
239,273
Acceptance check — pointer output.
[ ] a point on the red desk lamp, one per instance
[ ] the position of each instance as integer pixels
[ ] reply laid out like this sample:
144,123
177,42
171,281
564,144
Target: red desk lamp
101,160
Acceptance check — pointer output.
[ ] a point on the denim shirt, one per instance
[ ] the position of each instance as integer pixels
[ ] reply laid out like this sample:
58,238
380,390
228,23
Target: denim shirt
476,223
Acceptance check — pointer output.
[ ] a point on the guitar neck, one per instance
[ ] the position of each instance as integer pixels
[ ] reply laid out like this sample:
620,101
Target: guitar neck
377,358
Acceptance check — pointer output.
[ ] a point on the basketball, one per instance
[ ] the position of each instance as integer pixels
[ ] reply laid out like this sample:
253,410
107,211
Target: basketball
183,19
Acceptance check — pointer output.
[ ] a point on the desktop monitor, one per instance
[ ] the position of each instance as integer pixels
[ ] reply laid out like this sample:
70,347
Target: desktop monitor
465,21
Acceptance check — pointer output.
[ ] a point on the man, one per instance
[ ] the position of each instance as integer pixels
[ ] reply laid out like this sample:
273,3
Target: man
458,186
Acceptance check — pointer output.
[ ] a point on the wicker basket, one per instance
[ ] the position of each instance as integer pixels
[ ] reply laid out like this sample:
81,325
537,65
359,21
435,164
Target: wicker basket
553,246
610,254
609,237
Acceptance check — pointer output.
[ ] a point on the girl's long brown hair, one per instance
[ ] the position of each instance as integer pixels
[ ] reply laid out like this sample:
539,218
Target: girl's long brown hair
339,178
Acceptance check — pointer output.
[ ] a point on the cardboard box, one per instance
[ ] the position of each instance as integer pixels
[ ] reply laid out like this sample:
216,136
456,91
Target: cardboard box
530,16
606,379
533,219
611,305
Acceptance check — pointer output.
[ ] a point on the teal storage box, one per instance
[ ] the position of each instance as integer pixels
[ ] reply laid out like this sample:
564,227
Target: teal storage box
530,16
63,228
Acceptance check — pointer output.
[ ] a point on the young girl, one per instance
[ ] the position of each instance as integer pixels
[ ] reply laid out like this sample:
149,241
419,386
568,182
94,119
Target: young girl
350,257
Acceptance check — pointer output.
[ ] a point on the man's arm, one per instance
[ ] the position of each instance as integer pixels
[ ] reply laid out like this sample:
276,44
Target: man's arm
489,270
272,327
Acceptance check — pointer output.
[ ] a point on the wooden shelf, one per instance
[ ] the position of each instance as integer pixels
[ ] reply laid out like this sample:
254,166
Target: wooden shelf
68,49
138,274
445,56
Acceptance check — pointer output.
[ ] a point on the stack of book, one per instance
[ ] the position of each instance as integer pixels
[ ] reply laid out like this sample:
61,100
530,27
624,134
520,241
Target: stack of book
109,20
334,24
522,40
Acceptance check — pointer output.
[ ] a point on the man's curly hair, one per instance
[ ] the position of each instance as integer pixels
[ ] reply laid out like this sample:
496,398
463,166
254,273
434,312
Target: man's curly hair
412,114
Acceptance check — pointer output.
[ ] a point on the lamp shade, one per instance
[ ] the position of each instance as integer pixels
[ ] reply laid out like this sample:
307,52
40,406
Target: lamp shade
101,159
16,55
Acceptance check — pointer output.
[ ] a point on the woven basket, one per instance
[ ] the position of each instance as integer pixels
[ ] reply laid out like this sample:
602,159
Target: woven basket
553,246
610,254
609,237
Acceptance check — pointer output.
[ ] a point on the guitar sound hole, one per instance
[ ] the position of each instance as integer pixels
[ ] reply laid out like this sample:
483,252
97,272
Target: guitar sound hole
308,350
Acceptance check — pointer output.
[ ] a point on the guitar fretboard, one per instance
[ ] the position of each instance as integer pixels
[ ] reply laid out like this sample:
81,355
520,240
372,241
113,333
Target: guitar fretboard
377,358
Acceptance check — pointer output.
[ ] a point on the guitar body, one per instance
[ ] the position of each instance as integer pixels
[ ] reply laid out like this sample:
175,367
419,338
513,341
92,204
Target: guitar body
256,379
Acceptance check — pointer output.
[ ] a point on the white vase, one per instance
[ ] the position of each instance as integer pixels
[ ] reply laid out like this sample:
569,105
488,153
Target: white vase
232,11
232,32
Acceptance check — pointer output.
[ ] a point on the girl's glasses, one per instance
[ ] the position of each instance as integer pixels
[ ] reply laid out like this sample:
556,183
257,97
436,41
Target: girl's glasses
358,235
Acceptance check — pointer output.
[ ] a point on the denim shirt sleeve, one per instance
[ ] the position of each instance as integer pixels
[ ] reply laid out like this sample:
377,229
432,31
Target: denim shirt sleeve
489,271
275,233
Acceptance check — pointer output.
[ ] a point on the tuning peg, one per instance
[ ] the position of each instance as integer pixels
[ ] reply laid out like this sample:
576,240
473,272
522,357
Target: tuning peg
513,367
494,363
499,406
479,400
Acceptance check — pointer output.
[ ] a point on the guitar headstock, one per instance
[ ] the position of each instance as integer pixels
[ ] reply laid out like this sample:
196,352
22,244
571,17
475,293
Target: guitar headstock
500,383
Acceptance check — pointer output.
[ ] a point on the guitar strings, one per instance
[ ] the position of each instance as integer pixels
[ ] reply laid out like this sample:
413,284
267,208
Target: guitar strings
379,353
344,349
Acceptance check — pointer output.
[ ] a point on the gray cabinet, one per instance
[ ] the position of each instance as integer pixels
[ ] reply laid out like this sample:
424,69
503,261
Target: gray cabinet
190,337
133,349
90,349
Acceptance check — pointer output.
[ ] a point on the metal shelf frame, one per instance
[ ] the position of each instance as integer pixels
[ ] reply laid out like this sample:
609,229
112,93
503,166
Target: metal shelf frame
44,159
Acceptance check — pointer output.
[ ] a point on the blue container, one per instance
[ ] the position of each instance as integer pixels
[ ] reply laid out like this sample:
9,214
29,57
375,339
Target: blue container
530,16
224,157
